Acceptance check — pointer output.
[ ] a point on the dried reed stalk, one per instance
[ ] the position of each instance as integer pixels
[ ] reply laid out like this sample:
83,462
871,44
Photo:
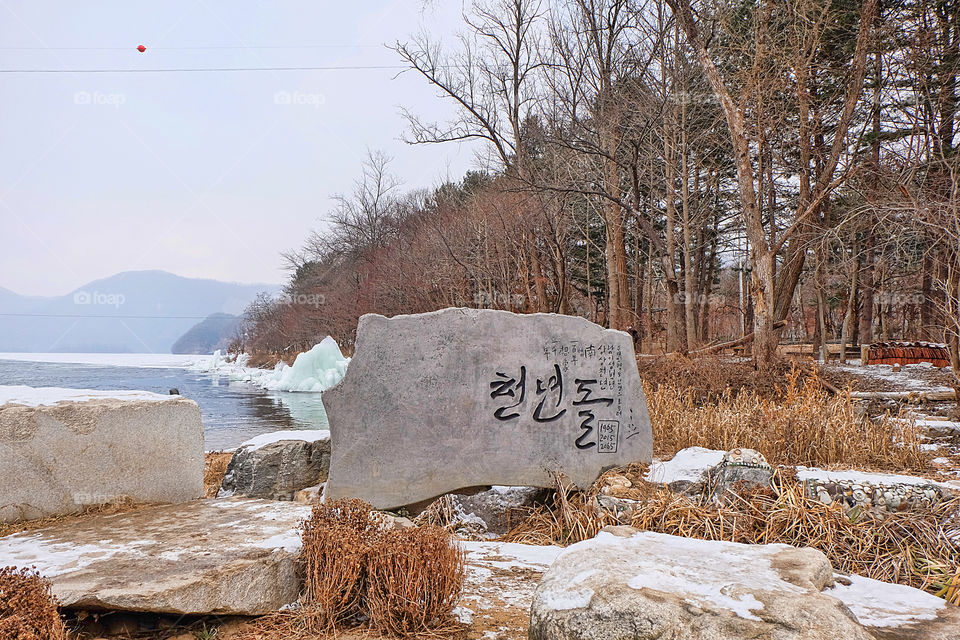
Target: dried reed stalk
336,540
804,425
915,548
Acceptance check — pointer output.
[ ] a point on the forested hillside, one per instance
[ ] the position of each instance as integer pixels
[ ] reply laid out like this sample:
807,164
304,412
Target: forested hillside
697,171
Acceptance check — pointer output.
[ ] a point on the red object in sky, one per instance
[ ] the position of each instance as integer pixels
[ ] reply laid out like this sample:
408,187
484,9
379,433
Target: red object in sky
141,48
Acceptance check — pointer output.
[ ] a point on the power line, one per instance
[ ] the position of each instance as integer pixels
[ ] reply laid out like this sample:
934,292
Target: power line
198,48
125,317
213,69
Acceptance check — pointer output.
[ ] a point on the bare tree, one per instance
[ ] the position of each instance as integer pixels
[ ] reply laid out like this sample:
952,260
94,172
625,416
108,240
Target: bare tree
766,239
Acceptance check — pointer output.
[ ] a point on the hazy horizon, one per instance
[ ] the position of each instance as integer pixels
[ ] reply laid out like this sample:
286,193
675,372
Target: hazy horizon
277,285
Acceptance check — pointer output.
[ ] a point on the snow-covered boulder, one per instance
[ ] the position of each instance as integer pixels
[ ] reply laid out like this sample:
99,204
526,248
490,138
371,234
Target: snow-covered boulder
741,468
627,584
687,470
278,465
699,471
64,449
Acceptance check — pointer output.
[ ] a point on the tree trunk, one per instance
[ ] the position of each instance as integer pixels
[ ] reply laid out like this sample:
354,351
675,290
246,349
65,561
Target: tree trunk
689,300
927,306
851,303
766,335
821,306
867,291
675,311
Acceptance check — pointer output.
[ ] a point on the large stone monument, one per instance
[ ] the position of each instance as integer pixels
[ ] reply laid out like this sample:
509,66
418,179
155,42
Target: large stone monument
457,398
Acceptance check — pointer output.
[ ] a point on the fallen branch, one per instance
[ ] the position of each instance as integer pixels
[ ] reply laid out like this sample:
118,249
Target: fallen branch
711,349
909,396
725,345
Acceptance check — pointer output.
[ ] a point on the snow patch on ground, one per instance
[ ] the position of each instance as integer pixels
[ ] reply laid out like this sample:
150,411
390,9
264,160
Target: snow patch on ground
523,563
463,615
881,604
933,426
47,396
305,435
508,555
904,379
876,479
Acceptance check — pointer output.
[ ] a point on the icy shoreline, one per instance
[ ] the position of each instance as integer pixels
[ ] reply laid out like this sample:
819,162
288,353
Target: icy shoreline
315,370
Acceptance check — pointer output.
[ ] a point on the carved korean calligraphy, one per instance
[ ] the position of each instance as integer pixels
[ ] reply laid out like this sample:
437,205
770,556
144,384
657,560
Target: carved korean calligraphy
458,398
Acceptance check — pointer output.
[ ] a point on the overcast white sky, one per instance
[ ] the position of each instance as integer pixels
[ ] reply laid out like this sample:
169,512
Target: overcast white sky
201,174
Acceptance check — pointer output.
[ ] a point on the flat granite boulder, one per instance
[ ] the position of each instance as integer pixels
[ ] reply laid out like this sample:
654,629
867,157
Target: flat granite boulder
234,557
64,449
458,398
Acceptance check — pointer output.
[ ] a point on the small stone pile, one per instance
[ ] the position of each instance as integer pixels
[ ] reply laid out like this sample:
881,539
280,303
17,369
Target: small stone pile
866,495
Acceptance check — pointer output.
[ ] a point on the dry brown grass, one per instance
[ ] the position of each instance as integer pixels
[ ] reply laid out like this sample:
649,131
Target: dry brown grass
415,578
802,424
357,568
28,611
707,378
917,547
214,468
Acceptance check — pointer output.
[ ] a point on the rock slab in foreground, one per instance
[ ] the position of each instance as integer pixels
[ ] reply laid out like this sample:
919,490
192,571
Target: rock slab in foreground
457,398
231,557
625,584
63,449
277,465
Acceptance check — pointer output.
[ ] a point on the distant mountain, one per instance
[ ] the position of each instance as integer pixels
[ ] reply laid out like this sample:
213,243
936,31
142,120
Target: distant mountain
130,312
212,333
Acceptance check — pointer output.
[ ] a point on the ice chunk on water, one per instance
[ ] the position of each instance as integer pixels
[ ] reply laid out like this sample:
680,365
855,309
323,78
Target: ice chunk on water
316,370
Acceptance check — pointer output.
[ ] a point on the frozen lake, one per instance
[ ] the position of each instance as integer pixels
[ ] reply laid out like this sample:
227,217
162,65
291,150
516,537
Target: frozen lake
232,411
